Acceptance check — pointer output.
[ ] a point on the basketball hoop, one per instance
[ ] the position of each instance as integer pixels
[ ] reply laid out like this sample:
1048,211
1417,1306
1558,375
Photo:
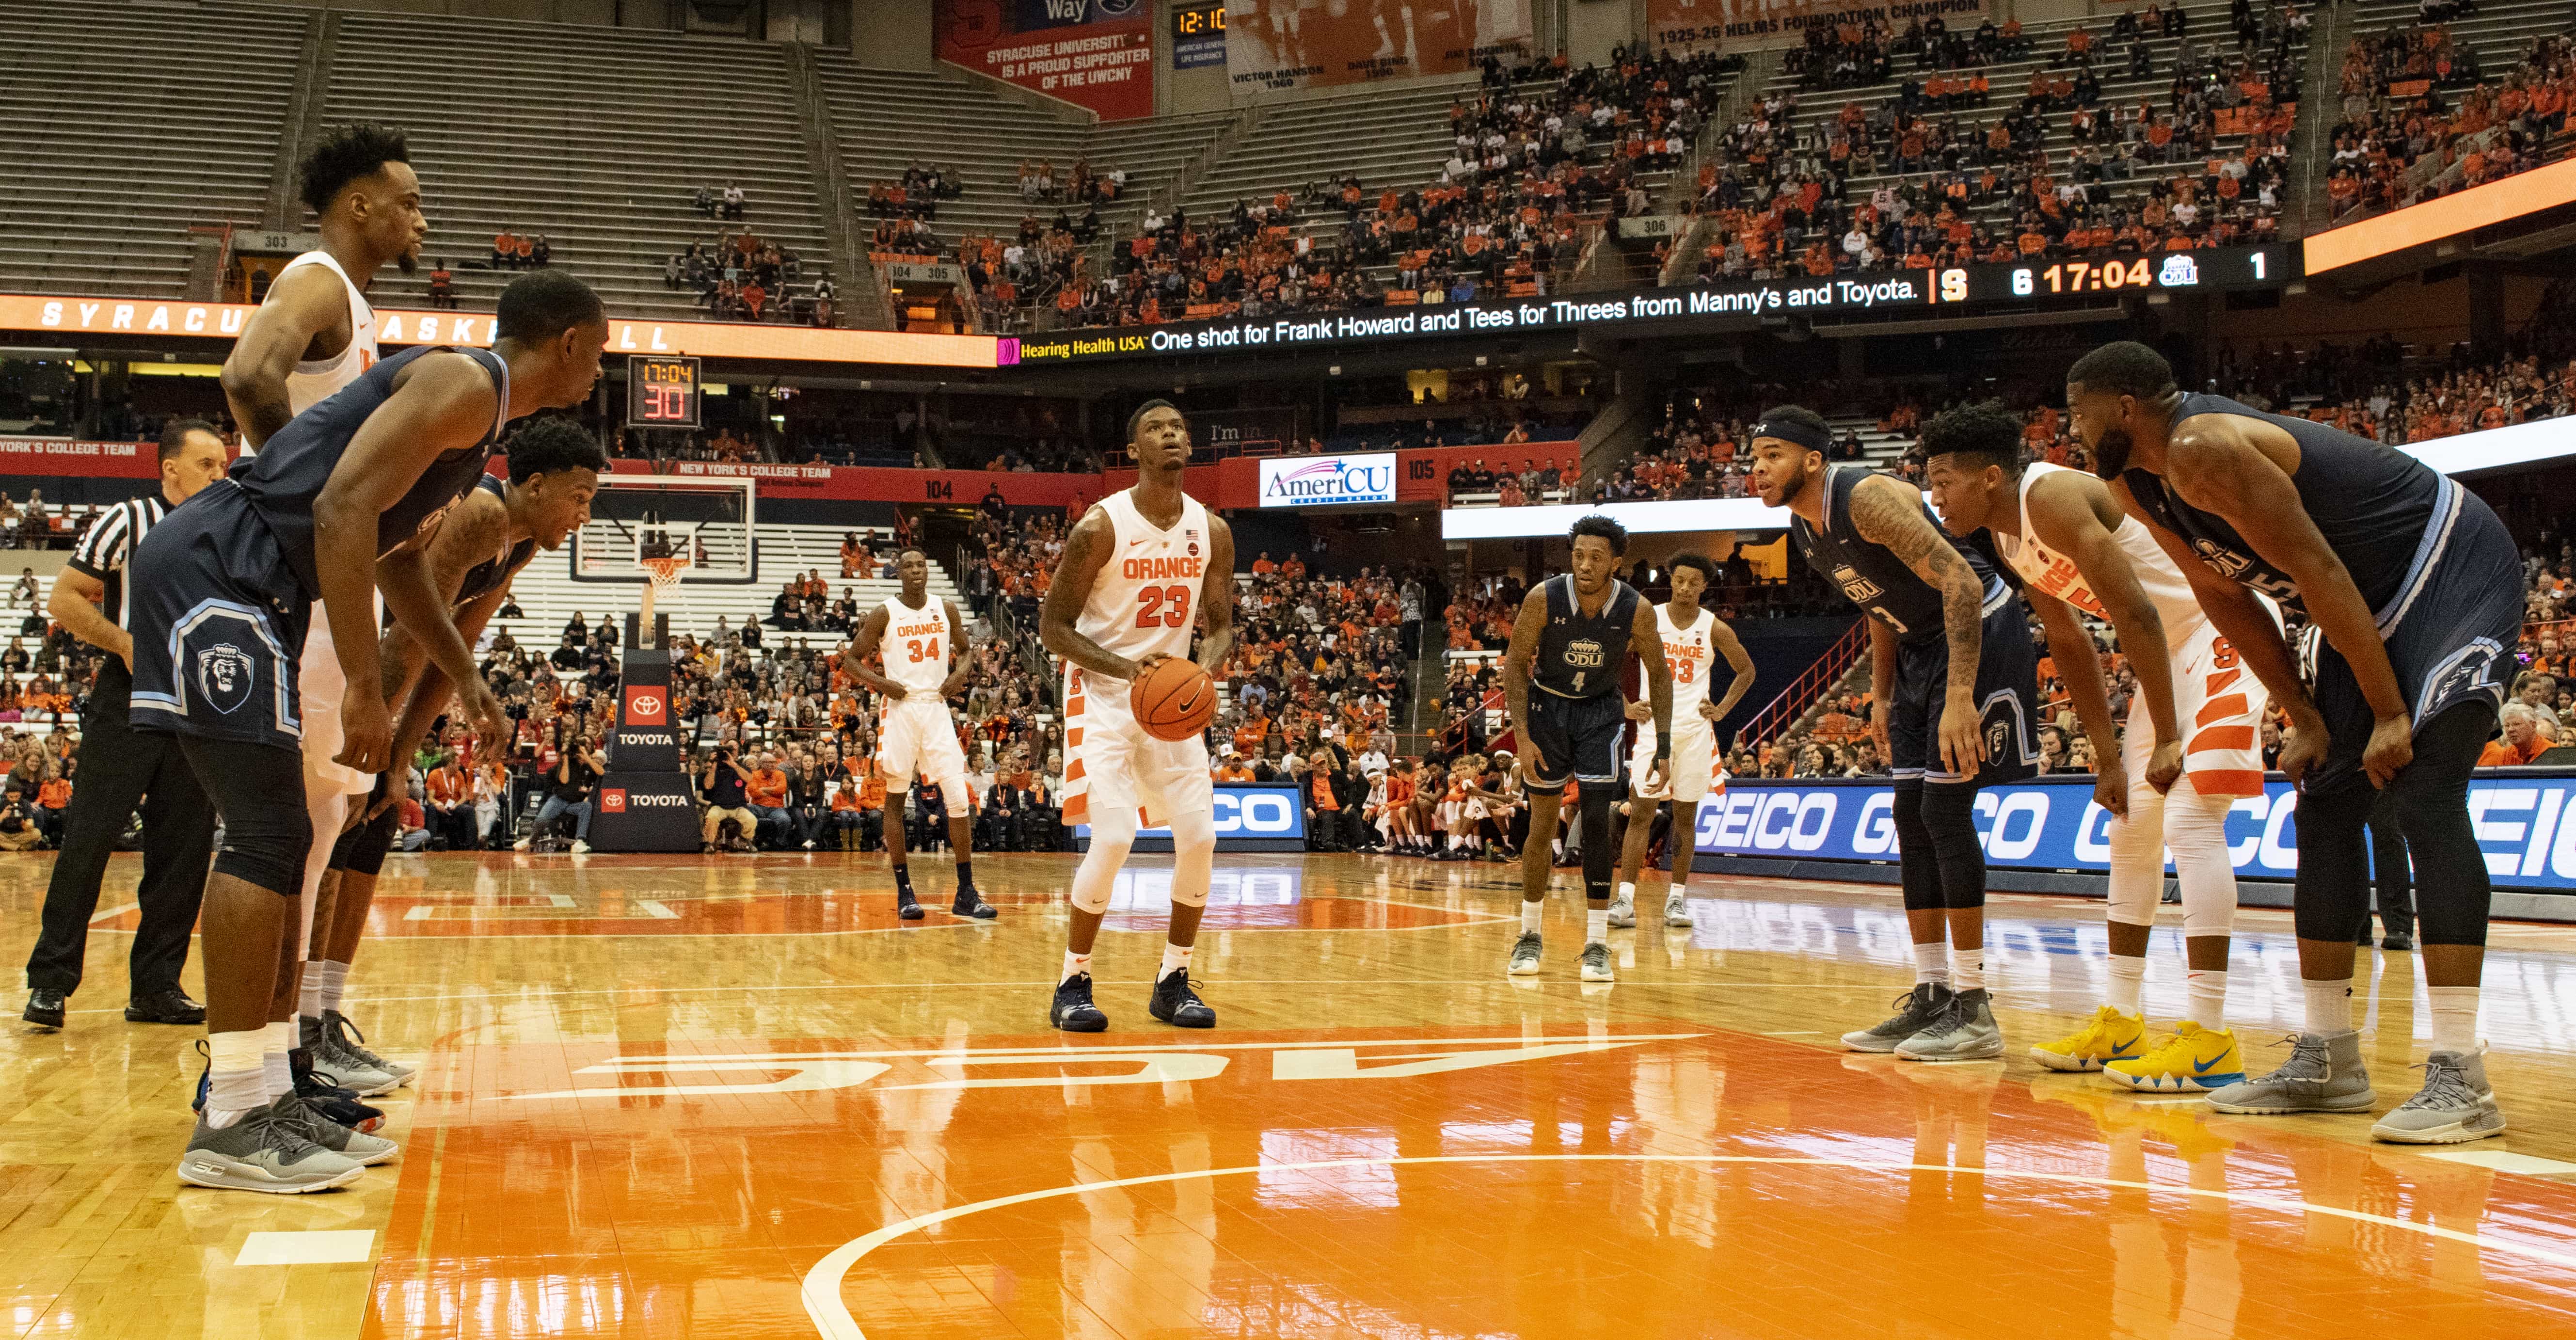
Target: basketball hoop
664,570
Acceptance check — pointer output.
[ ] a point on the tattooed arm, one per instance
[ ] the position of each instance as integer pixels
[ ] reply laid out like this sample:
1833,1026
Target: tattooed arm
1889,513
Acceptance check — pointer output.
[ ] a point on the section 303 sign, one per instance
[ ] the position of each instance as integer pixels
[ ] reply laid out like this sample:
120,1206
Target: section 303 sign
2525,823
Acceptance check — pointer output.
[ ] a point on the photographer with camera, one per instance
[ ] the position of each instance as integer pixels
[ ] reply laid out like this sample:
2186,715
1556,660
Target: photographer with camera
724,786
579,768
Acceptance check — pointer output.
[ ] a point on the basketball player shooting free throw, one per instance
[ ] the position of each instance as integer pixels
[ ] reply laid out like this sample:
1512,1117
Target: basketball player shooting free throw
1139,570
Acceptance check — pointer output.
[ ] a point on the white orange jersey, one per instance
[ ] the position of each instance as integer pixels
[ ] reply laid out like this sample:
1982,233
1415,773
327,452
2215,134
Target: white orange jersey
2047,571
312,383
916,646
1147,594
1690,653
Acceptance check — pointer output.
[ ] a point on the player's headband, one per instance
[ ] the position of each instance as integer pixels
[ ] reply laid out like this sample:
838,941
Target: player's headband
1813,439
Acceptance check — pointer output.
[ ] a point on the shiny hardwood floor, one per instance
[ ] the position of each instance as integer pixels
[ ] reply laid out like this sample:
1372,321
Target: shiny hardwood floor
674,1097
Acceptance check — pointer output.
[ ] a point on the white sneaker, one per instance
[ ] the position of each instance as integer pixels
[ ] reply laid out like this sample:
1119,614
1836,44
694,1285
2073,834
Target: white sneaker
809,846
1623,913
1676,910
1596,964
579,846
521,844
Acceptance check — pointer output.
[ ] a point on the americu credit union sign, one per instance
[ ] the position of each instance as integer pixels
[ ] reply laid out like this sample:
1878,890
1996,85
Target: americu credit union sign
1312,481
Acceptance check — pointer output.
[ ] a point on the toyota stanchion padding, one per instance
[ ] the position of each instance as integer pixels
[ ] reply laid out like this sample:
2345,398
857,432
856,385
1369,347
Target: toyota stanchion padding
644,803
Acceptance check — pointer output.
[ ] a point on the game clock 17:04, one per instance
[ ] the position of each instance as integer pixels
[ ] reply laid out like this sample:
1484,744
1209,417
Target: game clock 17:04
662,391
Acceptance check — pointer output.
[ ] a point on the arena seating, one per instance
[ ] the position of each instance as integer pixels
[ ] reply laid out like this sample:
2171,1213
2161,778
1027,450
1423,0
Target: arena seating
2487,46
128,125
595,137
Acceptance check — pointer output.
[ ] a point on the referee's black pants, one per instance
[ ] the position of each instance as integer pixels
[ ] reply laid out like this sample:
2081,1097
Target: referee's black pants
120,766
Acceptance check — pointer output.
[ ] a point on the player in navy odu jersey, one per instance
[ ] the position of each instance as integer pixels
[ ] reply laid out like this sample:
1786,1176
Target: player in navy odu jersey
1953,693
335,507
1570,645
2417,591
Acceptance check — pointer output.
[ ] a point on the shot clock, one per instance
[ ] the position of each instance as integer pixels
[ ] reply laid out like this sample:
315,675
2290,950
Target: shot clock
662,391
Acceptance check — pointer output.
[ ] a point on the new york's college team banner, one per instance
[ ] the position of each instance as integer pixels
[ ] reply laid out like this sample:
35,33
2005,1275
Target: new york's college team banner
1092,53
1740,25
1277,45
2525,825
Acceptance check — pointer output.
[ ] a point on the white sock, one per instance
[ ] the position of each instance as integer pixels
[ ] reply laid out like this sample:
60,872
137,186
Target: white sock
1596,925
1176,958
2329,1006
335,976
1529,917
1627,892
1932,962
1075,965
2128,980
308,1000
2455,1018
2205,992
236,1084
277,1075
1968,969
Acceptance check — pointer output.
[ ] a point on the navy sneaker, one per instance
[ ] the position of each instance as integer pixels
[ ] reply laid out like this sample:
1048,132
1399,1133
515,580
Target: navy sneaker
1073,1011
971,904
1176,1004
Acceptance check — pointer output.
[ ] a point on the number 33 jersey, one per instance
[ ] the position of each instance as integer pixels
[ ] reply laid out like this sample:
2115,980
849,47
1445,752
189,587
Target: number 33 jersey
1147,594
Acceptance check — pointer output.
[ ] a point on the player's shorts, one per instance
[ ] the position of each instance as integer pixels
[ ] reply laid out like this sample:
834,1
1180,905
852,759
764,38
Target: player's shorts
2450,632
1116,764
1687,774
917,738
2219,704
321,687
218,623
2007,702
1574,737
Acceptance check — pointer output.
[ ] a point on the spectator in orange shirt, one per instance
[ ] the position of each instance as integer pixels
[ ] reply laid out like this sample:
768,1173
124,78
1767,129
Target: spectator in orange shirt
766,794
451,805
2522,741
52,796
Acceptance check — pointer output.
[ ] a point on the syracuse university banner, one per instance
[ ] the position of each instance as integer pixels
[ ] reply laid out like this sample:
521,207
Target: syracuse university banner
1276,45
1097,54
1685,26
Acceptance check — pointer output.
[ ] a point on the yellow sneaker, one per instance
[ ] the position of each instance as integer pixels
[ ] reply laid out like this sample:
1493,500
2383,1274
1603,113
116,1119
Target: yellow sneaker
2110,1036
2193,1060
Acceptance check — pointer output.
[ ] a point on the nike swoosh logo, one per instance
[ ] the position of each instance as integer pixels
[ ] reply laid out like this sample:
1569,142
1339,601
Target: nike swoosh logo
1133,543
2124,1048
2202,1067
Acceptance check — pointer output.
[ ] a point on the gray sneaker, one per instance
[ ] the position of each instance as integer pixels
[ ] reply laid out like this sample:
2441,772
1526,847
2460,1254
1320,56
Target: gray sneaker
260,1152
1965,1031
349,1042
337,1067
1623,913
356,1146
2324,1074
2454,1107
1596,963
1914,1010
1676,910
1525,954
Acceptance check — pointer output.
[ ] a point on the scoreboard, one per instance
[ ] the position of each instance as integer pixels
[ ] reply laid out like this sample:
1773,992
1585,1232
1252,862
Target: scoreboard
662,391
2038,284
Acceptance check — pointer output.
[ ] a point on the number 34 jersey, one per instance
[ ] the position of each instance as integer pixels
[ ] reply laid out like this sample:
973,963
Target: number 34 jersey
1147,595
916,646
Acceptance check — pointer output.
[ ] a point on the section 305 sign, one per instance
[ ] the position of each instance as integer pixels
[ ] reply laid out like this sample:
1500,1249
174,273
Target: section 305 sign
2525,824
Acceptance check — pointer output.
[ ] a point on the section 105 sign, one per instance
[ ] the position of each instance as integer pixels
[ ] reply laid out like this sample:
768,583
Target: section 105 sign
662,391
1323,481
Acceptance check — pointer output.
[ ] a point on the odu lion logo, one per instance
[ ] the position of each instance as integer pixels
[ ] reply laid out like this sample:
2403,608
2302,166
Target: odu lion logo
224,676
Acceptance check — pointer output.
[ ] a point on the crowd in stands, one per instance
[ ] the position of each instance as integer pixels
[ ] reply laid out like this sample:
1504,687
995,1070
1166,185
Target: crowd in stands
1955,188
521,251
916,194
742,276
2423,118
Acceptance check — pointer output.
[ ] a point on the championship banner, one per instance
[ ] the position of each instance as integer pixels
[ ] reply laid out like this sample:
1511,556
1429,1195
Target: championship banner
2524,823
1685,26
1097,54
1274,46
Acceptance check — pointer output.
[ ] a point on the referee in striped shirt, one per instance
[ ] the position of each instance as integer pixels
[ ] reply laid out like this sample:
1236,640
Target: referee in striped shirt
120,766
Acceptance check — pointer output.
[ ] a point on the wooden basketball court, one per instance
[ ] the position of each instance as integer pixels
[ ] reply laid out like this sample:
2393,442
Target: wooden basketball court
736,1097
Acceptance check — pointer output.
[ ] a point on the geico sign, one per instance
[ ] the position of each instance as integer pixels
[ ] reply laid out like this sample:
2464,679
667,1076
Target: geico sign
1241,814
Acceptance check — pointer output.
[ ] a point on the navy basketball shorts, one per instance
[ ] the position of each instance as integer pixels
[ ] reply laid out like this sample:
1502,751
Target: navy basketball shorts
2008,705
2450,632
218,624
1575,738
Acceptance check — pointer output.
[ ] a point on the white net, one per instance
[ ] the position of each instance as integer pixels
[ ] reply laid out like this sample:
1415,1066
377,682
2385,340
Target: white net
635,519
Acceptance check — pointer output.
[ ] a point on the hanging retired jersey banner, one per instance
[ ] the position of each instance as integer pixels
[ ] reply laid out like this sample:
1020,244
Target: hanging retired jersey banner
1685,26
1095,54
1274,46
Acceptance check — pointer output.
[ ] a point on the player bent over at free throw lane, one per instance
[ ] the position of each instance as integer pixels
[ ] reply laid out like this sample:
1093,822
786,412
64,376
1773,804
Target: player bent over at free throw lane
1139,569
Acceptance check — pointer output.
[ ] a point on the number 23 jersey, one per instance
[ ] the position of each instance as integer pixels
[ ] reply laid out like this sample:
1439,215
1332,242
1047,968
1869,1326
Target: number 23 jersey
1147,594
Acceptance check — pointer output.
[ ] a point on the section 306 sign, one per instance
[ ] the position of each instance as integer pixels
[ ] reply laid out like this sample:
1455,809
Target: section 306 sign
1313,481
2525,823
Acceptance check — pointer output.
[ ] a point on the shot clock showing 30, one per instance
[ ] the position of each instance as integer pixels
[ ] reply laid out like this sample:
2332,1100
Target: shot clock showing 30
662,391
